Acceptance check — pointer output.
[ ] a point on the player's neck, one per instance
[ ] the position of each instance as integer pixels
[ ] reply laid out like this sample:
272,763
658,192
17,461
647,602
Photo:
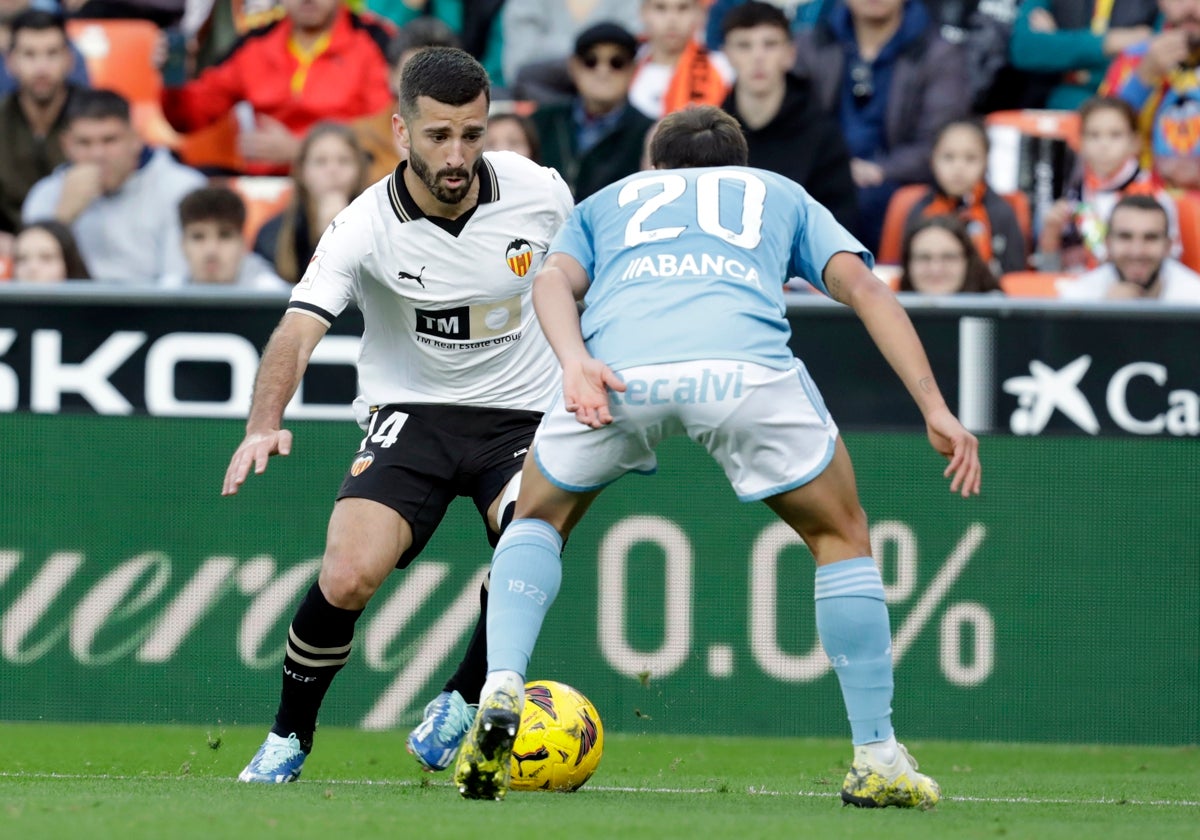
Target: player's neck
430,204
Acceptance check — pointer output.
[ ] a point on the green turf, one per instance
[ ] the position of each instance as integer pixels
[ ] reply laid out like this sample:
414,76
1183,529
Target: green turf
152,781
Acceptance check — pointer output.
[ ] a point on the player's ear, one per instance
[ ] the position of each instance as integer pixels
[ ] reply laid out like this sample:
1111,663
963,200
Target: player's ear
400,133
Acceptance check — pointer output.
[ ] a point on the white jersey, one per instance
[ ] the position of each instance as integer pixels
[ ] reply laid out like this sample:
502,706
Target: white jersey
447,304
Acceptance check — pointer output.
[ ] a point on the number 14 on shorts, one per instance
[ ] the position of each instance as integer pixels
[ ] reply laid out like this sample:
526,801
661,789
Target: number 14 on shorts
537,595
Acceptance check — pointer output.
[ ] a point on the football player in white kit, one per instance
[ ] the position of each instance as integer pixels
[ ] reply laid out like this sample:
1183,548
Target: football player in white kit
685,333
453,374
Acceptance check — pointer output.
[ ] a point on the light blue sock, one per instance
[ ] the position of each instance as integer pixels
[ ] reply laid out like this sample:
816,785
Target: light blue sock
852,621
526,573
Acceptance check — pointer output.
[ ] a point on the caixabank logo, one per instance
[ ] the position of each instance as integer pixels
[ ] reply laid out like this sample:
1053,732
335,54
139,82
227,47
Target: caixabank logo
1138,397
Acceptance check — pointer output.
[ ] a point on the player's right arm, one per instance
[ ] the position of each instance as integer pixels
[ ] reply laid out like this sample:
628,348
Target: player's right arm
283,365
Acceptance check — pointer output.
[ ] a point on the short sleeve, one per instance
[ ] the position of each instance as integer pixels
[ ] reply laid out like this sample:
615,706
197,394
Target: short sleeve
329,281
818,236
574,239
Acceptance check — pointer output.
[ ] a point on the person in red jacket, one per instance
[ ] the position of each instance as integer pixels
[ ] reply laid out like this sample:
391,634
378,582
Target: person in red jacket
319,62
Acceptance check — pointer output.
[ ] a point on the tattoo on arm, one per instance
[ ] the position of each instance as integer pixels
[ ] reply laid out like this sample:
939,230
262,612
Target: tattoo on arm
926,385
835,286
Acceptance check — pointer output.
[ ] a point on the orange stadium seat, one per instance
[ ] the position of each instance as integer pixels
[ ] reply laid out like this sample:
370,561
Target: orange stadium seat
891,240
1039,284
213,147
1187,205
264,195
1034,122
119,55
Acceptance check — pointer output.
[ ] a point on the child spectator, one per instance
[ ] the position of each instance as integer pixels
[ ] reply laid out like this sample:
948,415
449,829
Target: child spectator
330,171
674,69
959,162
45,252
1073,231
939,259
213,220
512,132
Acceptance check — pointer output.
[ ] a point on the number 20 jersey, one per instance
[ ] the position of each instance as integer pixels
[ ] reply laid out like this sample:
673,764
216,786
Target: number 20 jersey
690,264
447,306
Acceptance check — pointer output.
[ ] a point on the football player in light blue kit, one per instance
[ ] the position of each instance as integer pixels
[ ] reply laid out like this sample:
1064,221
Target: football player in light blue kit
685,333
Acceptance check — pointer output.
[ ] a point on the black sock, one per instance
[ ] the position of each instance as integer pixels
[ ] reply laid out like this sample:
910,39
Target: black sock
472,670
318,646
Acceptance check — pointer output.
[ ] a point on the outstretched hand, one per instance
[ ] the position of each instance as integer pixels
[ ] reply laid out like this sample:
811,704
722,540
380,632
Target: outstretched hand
585,391
949,437
256,449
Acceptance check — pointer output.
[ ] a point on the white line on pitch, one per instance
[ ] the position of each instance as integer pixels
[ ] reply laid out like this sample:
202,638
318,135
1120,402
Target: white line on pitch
670,791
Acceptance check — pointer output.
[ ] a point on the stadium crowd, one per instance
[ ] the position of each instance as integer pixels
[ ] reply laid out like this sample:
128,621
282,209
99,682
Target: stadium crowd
973,145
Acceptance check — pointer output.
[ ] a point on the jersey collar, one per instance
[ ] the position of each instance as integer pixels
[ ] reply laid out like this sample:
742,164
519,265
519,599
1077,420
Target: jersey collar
406,209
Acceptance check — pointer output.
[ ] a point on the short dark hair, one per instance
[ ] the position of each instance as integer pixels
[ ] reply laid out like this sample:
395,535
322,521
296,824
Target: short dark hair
700,135
418,33
73,260
751,14
97,104
968,123
213,204
978,277
35,20
1141,202
1108,103
445,74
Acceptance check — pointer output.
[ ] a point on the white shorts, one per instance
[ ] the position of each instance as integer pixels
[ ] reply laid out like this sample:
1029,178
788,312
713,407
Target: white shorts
768,429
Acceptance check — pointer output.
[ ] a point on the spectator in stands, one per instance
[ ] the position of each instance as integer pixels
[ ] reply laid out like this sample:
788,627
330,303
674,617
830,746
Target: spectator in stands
674,69
509,131
213,220
119,197
330,172
375,133
31,117
1074,229
595,138
960,188
547,29
477,24
785,127
10,10
938,258
802,14
45,252
892,82
1139,264
1075,40
1160,78
320,62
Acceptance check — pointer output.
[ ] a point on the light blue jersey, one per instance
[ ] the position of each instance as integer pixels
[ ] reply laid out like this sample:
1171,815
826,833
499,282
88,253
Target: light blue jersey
690,264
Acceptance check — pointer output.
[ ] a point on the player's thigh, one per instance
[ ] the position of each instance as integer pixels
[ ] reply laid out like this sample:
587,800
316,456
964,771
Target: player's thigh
407,462
364,540
826,511
540,498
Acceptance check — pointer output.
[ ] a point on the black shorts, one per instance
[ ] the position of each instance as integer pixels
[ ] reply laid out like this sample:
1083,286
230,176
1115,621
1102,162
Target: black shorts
417,458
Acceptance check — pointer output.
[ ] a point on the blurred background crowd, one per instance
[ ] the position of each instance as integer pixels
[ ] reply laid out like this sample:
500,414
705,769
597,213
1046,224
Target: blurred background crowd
1024,147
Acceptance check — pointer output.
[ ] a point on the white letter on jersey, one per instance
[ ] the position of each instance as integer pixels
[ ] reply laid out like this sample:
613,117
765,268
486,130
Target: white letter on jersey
673,186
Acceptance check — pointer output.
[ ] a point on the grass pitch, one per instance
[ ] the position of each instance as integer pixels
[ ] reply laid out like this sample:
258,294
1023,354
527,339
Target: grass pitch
155,781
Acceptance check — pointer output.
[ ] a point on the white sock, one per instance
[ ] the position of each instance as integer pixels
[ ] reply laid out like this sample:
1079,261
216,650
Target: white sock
508,681
882,752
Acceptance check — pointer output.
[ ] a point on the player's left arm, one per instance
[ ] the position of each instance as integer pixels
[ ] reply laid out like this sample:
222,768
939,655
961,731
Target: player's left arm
558,285
851,282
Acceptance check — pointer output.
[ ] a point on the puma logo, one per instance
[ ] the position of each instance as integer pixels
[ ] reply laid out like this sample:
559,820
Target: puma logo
404,275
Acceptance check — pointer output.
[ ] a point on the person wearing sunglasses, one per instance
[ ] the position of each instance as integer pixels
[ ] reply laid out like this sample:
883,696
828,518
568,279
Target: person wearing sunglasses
596,137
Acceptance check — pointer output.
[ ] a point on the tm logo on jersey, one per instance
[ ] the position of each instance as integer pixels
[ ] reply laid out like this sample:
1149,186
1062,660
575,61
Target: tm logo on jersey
473,323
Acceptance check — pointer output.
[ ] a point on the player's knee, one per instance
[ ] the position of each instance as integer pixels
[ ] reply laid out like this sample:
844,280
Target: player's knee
347,586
